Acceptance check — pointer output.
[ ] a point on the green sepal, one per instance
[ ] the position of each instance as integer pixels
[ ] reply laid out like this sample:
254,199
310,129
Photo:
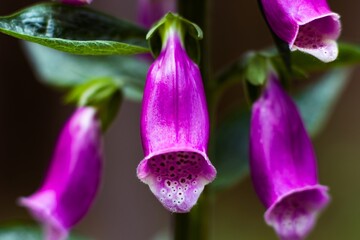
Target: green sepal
103,94
77,30
252,68
191,34
256,68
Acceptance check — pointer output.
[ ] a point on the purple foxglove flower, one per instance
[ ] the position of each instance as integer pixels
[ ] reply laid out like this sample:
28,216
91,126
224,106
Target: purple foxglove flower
308,26
73,178
175,129
76,2
150,11
283,165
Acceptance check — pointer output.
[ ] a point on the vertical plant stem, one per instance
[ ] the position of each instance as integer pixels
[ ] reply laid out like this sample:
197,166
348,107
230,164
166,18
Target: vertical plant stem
282,46
195,225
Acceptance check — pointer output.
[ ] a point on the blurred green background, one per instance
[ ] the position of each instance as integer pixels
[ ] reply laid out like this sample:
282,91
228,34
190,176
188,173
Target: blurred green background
32,114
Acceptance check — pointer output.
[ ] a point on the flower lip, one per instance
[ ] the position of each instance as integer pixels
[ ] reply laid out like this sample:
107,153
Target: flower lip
317,36
41,211
294,214
177,176
334,16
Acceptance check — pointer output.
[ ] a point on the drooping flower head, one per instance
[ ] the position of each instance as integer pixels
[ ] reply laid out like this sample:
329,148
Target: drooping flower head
283,165
307,25
151,11
175,128
76,2
73,177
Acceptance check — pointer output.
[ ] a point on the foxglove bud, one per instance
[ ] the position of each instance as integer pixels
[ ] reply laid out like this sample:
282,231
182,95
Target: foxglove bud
73,178
151,11
308,26
76,2
175,128
283,165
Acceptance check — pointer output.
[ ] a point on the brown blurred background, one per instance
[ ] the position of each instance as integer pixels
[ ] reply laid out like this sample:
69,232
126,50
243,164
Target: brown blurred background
31,115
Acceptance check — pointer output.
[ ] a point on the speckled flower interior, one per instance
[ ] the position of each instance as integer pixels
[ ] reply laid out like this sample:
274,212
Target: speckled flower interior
318,38
178,178
295,215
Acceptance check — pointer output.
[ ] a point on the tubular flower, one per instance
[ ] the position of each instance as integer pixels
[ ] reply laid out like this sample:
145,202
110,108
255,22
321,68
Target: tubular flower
307,25
76,2
150,11
283,165
175,129
73,178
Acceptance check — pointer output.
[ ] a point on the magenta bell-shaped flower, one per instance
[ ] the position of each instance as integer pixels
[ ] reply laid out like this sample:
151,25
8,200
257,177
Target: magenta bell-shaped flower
283,165
73,178
76,2
151,11
308,26
175,129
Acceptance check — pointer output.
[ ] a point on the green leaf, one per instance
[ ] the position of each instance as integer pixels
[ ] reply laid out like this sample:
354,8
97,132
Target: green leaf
61,69
77,30
316,102
26,232
231,149
104,94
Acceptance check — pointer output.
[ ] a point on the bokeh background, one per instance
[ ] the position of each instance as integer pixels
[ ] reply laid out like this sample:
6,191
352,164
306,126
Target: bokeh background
32,114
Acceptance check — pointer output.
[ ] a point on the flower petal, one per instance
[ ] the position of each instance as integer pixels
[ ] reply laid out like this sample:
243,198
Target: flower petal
294,215
177,178
318,38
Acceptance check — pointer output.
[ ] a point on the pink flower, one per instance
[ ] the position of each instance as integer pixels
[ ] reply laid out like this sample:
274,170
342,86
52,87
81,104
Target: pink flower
73,177
175,128
283,165
306,25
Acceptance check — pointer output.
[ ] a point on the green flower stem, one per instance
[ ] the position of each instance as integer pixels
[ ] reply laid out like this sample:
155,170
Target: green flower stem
281,46
195,225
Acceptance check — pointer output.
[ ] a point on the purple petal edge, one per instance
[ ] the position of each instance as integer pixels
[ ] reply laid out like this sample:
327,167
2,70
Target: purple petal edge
294,215
191,169
41,211
318,37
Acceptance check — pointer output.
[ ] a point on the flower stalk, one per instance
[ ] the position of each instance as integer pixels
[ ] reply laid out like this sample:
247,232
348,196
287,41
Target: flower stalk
195,225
